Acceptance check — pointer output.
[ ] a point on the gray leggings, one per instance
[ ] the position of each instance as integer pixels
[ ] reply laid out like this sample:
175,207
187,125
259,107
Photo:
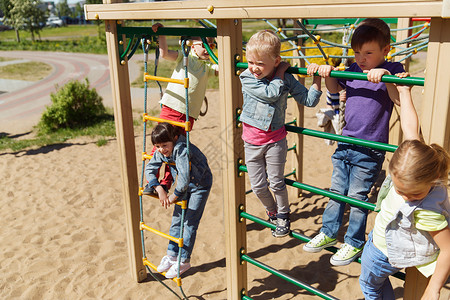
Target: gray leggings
265,166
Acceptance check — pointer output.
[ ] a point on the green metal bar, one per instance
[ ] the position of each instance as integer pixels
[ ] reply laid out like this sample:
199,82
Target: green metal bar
169,31
133,50
316,190
342,138
301,237
210,52
291,173
292,148
293,122
285,175
287,277
127,49
342,21
319,191
353,75
244,297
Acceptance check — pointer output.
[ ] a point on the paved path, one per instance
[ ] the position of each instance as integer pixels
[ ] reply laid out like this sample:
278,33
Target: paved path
22,102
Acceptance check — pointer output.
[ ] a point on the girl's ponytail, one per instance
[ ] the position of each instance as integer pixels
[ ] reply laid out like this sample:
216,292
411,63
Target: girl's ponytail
444,162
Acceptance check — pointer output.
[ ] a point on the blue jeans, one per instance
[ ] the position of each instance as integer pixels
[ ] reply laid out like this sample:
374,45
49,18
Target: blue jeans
197,196
375,272
355,170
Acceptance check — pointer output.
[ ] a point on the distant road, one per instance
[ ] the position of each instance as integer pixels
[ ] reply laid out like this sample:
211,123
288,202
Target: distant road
29,100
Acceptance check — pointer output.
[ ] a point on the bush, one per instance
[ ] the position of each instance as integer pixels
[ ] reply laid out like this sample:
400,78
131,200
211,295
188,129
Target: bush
73,106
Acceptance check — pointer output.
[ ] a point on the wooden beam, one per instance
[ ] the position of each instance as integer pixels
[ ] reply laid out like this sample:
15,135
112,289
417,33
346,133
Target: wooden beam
229,40
253,9
120,84
295,158
435,112
395,131
415,284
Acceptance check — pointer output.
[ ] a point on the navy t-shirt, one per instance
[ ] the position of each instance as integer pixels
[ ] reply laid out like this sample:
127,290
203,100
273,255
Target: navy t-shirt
368,107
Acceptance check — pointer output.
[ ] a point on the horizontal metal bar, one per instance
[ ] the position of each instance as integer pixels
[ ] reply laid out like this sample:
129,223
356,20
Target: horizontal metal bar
168,31
342,138
353,75
287,278
302,237
319,191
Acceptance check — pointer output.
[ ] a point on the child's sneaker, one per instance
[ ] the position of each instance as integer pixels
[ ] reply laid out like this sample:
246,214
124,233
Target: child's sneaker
283,227
273,220
345,255
319,242
165,264
173,271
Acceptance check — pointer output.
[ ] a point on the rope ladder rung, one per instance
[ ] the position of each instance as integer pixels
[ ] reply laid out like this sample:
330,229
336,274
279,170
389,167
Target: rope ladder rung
179,241
184,82
185,125
153,266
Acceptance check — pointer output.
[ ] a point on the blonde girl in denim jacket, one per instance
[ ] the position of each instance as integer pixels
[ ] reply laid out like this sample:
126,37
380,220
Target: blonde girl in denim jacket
412,226
265,88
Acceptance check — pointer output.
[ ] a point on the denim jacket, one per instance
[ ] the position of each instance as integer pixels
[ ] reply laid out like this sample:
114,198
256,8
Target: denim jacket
265,101
408,246
199,174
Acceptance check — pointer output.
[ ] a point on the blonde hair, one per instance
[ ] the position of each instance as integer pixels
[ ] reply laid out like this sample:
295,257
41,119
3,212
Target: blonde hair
414,162
264,42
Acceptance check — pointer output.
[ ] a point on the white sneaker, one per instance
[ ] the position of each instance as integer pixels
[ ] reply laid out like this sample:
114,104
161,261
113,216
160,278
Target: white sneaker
345,255
173,271
165,264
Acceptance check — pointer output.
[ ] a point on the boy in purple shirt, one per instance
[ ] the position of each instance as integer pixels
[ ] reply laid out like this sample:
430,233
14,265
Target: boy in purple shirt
368,110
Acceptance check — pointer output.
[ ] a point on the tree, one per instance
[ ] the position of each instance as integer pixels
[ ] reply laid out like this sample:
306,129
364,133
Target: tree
25,14
63,9
6,6
78,12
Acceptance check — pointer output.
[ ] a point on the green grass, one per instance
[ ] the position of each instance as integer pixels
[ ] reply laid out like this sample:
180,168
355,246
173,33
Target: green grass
102,131
31,71
6,59
66,32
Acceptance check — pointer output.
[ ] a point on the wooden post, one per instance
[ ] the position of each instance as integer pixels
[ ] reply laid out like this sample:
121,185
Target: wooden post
435,115
295,159
395,131
415,284
229,40
120,84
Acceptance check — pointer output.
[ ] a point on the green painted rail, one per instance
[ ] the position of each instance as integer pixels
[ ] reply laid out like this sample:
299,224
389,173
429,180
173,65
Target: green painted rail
341,138
319,191
353,75
287,278
169,31
300,237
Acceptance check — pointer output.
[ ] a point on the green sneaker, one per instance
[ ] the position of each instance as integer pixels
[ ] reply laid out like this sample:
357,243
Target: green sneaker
319,242
345,255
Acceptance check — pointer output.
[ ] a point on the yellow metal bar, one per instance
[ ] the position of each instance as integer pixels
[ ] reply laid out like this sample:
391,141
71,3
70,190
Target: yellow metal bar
185,125
182,203
147,263
146,156
162,234
184,82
